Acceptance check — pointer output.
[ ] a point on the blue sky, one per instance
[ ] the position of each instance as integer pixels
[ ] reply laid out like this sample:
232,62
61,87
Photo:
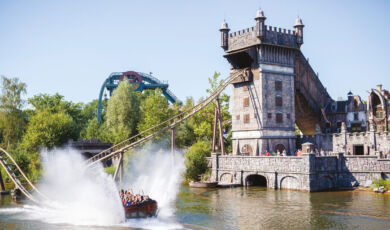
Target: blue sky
71,47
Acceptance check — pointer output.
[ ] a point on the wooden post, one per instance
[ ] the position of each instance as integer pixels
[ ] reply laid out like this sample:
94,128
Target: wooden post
121,169
173,144
2,183
214,130
220,126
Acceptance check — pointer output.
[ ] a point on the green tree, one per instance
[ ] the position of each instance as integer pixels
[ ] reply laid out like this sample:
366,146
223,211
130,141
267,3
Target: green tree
12,118
154,110
195,160
47,129
95,130
56,104
123,112
203,121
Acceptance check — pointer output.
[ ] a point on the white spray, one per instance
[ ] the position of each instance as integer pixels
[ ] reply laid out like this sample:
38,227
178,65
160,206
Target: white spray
82,196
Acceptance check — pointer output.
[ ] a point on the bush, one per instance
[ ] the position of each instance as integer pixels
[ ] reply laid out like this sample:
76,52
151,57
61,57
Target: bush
382,182
196,163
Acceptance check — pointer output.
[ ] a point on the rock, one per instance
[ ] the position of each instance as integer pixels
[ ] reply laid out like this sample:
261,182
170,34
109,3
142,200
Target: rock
381,189
367,184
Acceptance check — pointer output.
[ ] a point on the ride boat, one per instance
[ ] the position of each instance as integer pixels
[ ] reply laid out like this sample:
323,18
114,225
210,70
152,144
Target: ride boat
143,209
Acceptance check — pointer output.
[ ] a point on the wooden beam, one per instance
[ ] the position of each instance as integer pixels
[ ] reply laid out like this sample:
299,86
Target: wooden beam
214,130
220,126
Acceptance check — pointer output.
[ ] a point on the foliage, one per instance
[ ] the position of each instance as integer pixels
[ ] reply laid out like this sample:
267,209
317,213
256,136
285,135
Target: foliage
382,182
95,130
56,104
195,160
202,122
110,170
48,129
123,112
12,118
154,110
206,176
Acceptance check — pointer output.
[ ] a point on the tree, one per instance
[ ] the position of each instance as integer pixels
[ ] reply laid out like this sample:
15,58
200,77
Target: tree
56,104
12,118
123,112
195,160
47,129
154,110
95,130
203,121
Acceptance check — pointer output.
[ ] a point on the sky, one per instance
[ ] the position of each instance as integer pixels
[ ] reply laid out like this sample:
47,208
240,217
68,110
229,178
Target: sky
71,47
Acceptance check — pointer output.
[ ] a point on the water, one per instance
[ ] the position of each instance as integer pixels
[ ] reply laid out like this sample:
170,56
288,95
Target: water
88,199
240,208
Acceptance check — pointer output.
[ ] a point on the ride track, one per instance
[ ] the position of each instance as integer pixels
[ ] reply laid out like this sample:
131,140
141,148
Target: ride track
6,159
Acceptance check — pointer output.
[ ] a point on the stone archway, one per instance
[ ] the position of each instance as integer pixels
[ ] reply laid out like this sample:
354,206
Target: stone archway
279,147
256,180
226,178
289,182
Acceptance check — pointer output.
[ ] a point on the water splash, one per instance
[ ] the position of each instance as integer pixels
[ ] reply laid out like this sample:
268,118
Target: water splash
89,197
158,175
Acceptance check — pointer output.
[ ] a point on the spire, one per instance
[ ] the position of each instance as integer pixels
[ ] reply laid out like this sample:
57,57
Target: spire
224,26
260,15
298,23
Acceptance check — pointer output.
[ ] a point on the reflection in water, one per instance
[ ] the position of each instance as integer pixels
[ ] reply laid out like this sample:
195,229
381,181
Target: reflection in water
259,208
251,208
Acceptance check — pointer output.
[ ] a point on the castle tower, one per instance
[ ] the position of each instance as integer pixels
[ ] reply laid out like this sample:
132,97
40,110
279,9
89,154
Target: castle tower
224,35
260,24
263,105
299,31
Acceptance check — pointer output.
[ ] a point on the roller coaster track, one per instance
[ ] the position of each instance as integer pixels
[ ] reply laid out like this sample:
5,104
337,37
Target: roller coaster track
132,142
15,173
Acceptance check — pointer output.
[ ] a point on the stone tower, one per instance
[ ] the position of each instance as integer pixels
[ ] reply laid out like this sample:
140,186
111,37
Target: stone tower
263,109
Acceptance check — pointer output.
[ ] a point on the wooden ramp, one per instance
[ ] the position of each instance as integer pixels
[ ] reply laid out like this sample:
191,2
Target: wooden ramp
16,175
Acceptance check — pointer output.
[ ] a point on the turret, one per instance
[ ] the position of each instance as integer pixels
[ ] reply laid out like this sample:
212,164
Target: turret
299,31
224,35
350,96
260,24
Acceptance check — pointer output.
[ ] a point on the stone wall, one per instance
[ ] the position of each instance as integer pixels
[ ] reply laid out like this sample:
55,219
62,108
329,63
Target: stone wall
307,172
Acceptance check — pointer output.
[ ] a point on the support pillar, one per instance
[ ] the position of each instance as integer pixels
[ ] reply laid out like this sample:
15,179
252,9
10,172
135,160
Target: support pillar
121,169
173,144
214,130
218,107
2,187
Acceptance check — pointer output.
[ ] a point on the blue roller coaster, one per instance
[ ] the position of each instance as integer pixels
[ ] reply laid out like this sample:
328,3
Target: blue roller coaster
139,81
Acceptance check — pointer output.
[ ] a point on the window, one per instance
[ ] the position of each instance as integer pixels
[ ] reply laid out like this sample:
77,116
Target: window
238,117
278,85
288,116
246,101
279,118
278,101
269,115
356,116
246,118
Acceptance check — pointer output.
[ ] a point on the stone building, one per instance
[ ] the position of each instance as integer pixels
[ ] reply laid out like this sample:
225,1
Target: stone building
379,108
352,112
263,105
